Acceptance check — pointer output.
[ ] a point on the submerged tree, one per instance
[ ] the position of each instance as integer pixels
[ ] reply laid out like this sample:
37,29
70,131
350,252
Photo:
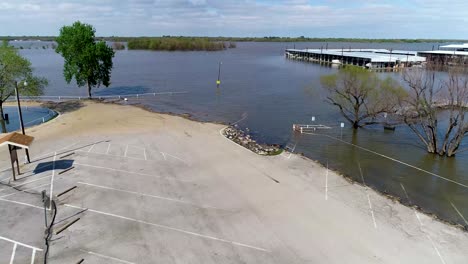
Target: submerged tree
86,60
431,97
16,71
361,95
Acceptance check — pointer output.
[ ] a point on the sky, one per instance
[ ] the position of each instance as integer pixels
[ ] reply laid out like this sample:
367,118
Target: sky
241,18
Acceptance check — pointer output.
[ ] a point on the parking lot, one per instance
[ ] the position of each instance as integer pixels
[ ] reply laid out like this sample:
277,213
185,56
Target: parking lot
169,197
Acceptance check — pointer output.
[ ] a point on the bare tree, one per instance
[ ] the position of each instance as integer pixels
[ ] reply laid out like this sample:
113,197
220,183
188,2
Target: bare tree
429,100
361,95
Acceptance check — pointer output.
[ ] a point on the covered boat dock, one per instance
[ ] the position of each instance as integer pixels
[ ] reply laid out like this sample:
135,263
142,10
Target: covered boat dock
369,58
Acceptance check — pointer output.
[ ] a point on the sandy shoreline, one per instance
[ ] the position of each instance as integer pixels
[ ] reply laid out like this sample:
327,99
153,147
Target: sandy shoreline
307,206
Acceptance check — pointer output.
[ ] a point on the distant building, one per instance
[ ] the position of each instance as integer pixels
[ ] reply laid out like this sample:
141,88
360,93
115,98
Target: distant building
448,54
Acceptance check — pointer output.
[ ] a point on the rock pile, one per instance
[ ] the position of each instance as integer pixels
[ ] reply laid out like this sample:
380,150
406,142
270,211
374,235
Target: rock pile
239,137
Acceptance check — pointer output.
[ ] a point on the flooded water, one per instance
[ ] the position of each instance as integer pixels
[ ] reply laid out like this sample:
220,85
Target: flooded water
273,92
31,116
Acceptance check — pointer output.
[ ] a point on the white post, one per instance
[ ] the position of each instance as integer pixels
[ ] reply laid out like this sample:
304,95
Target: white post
342,126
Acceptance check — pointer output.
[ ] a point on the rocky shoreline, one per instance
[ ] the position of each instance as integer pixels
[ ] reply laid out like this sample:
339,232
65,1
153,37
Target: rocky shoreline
240,137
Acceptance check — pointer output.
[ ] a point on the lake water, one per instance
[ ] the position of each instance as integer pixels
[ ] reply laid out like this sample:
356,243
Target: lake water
31,116
273,93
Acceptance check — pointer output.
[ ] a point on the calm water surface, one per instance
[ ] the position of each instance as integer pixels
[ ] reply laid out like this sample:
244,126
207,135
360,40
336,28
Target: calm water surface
273,92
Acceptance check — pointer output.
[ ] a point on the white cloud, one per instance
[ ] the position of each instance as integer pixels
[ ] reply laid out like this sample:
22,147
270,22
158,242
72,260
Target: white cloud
335,18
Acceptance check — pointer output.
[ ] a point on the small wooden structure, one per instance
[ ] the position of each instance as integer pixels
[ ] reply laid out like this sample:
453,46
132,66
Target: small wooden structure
15,141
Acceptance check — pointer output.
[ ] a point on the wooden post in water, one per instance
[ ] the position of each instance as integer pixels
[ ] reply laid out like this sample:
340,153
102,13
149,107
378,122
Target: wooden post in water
218,81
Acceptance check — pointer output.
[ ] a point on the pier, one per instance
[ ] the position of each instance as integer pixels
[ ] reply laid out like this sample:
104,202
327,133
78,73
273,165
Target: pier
369,58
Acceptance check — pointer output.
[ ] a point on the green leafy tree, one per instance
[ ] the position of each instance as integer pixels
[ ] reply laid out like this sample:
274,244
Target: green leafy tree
86,60
361,95
16,71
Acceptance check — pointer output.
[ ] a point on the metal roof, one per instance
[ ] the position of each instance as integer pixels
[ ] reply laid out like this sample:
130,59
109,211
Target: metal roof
18,140
445,52
374,55
455,46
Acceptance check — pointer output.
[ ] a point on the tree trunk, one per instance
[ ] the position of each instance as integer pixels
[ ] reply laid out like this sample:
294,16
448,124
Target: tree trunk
2,120
89,90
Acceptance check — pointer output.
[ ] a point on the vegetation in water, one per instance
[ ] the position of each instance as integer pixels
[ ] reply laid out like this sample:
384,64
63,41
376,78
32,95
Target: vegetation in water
361,96
87,61
118,46
421,108
175,43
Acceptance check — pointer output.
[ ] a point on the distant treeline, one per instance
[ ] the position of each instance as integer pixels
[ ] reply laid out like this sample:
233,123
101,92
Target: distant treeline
177,43
246,39
306,39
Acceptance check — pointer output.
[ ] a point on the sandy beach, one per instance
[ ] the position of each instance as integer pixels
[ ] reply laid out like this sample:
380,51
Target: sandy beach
156,188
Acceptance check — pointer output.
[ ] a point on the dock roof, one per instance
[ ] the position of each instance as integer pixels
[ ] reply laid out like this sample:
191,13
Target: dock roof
374,55
455,46
445,52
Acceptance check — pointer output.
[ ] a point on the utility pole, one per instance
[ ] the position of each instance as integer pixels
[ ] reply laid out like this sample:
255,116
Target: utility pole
21,115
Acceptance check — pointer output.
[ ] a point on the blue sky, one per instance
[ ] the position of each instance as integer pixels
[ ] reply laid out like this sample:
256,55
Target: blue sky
319,18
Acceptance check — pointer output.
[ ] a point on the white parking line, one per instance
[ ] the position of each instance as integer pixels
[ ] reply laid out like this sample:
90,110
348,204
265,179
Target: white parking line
169,228
17,192
175,157
13,253
390,158
5,178
326,184
33,256
126,149
21,203
19,243
459,213
436,250
108,148
50,153
17,185
107,257
91,148
409,200
103,154
149,195
372,210
130,172
51,194
367,194
290,152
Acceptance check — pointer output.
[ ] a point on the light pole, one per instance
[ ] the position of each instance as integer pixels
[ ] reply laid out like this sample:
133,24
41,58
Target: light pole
20,114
